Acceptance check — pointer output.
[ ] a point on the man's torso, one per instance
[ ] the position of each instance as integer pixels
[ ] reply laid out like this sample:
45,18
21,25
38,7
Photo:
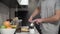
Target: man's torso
48,10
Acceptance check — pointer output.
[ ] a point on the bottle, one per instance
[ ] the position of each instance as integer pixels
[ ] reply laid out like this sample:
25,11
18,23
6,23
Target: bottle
18,28
31,28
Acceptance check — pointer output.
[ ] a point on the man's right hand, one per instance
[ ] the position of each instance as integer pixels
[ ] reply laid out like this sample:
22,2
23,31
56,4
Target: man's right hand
30,19
37,10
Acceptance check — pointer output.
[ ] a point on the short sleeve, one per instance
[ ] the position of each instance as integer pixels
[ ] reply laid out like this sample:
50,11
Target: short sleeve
39,4
57,4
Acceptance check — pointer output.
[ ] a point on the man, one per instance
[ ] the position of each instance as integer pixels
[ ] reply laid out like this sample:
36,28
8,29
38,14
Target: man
50,15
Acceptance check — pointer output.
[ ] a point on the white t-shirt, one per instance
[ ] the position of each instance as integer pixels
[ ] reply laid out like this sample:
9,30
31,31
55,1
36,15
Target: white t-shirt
48,8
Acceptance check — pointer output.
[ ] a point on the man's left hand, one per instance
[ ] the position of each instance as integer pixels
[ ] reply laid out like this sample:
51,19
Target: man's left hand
38,21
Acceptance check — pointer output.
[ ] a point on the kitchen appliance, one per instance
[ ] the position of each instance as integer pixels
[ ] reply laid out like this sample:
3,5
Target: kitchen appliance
22,14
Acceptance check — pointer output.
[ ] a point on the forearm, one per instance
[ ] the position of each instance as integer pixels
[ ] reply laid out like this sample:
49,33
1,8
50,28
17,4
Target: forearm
37,10
51,19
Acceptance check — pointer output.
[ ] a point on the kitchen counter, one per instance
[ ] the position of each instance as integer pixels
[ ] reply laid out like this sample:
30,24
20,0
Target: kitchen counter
36,32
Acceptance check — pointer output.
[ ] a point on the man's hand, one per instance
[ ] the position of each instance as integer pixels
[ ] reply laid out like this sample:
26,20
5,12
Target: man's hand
38,21
30,19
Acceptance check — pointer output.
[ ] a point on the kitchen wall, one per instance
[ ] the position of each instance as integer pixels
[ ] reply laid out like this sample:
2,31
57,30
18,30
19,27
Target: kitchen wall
4,12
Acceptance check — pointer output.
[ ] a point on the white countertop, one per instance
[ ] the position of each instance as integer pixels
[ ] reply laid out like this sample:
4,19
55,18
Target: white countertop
36,32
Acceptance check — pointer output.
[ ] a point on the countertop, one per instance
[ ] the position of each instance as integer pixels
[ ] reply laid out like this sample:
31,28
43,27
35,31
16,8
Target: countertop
35,32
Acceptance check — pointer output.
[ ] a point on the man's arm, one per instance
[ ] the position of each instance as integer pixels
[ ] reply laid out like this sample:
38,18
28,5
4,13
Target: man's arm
54,18
37,10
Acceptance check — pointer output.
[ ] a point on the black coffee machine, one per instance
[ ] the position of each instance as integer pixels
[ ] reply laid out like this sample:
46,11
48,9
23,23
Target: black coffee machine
22,14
